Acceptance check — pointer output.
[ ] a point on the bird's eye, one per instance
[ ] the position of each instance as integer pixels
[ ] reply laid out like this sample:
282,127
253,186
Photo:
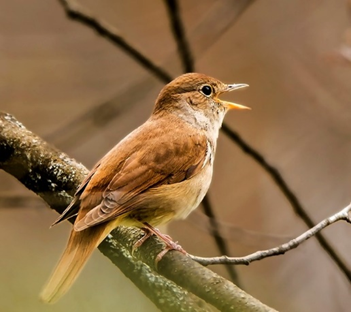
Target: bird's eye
206,90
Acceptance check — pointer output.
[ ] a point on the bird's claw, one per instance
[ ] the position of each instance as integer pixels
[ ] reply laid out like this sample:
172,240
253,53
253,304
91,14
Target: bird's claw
141,240
169,246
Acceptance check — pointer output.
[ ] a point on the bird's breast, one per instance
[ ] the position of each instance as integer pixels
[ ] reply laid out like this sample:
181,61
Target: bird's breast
194,190
173,201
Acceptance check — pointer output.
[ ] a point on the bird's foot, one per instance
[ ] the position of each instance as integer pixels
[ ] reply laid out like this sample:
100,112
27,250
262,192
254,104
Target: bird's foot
170,244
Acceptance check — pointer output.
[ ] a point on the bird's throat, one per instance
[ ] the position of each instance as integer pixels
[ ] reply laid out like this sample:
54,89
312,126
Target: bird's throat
207,121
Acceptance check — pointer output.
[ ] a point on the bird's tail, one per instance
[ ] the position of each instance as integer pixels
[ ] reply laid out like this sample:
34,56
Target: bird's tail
79,248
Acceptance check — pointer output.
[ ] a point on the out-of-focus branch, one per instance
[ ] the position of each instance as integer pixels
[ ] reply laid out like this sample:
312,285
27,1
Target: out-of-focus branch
288,193
19,200
179,35
78,13
344,214
54,177
220,242
88,123
233,232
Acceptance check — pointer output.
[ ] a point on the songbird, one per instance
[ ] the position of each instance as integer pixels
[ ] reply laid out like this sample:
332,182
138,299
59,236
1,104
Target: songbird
159,172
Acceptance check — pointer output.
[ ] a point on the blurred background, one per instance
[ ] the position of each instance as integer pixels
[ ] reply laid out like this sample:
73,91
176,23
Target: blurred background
83,94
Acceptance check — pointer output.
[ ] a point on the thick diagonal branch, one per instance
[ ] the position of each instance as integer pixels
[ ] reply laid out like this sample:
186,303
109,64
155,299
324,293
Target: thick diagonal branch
54,177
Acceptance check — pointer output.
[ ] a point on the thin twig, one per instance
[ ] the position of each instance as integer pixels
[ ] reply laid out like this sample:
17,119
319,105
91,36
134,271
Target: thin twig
179,35
75,12
291,197
344,214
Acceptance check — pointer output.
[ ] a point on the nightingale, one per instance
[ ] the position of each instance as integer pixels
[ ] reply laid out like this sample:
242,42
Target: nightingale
159,172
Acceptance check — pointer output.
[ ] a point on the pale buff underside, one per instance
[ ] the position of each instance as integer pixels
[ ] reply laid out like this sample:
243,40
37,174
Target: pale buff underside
172,201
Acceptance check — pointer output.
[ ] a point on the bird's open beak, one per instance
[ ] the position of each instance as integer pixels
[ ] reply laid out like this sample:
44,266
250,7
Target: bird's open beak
231,87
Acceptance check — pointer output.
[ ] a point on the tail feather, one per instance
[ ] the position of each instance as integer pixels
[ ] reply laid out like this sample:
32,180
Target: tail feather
79,248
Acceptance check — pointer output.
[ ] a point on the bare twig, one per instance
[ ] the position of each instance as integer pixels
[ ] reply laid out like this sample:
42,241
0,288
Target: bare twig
179,35
344,214
75,12
291,197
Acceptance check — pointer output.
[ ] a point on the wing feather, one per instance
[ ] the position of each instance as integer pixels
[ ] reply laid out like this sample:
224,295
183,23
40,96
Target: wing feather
157,161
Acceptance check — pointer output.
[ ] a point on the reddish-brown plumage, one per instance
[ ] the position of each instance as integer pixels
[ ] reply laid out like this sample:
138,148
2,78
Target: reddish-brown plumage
159,172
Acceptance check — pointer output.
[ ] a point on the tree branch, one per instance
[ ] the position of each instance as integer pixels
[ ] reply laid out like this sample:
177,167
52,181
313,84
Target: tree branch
344,214
54,177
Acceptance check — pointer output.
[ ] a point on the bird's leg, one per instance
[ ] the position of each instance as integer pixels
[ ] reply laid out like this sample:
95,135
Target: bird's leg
170,244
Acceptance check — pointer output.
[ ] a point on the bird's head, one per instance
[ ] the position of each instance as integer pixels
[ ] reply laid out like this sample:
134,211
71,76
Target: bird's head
197,94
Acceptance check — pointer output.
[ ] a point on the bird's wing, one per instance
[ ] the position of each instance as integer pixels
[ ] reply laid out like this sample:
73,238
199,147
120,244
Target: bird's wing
169,158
